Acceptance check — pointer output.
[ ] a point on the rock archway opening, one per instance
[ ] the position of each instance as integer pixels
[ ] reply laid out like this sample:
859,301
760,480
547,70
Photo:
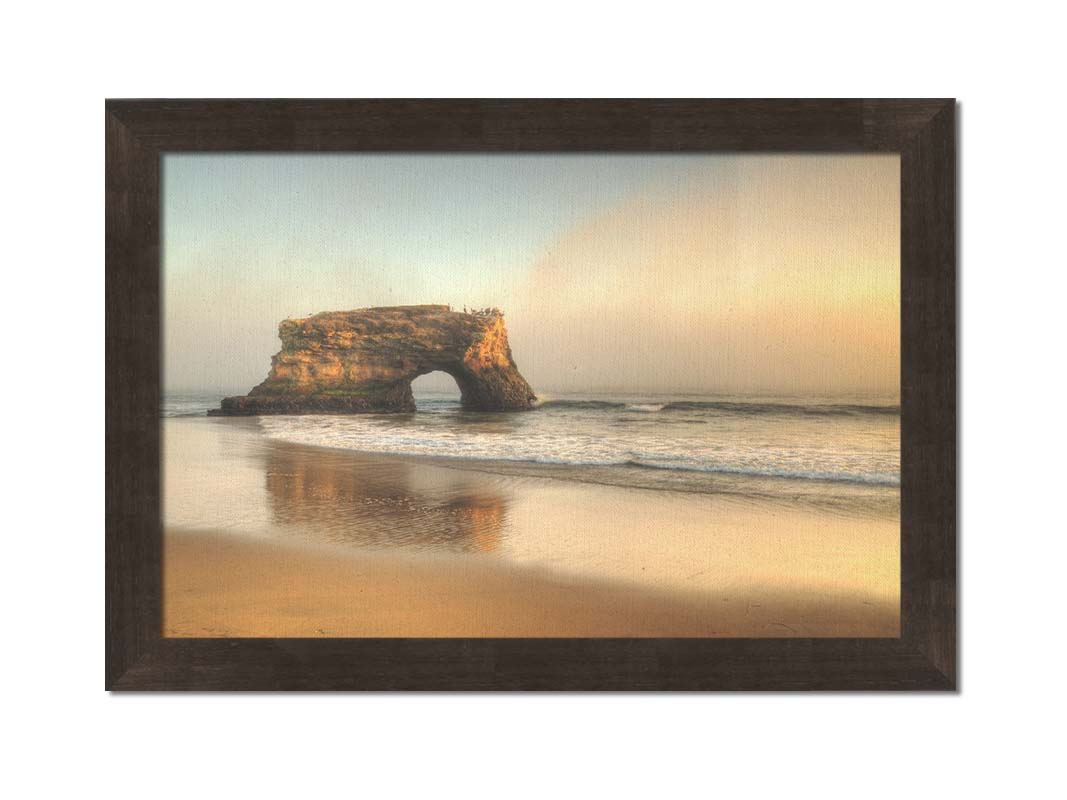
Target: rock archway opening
436,391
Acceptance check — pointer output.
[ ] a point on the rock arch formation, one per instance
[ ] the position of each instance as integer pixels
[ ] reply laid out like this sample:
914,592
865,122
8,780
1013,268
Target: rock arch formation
348,362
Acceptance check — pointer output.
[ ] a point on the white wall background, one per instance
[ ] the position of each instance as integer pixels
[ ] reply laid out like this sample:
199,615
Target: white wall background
1002,736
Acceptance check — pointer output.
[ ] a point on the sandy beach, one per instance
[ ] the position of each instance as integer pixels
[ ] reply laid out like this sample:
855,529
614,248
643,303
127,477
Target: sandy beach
268,538
218,584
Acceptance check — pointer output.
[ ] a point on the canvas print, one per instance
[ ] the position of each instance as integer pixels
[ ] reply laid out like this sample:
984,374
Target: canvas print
537,395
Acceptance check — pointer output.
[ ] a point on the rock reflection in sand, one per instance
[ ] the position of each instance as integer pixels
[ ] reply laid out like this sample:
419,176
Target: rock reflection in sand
374,503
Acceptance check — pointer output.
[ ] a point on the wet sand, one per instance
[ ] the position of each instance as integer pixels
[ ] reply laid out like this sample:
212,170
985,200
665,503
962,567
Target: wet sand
268,538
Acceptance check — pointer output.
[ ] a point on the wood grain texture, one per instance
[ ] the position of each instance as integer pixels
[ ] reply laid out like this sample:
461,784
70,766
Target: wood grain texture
922,131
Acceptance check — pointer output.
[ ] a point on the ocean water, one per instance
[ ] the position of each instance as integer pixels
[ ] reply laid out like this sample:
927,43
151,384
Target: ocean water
843,452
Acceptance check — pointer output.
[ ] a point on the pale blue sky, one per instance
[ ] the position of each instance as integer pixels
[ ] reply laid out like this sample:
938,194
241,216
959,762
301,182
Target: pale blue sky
554,240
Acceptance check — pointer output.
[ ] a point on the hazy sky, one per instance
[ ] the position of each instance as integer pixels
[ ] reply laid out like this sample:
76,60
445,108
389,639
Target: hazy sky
696,273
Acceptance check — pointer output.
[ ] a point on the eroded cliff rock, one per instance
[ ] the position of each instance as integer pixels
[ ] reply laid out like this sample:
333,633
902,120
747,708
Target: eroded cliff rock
346,362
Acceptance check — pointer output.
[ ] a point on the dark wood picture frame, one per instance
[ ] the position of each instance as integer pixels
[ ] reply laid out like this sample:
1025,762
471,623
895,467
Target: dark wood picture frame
923,132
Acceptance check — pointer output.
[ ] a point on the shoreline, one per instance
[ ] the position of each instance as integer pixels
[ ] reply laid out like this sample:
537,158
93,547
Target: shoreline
436,549
840,496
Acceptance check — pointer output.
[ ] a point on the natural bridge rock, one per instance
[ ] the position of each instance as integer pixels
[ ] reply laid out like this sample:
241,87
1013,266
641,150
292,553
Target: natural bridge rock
348,362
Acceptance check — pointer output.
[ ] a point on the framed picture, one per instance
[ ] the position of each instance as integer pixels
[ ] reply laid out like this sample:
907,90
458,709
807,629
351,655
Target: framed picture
531,395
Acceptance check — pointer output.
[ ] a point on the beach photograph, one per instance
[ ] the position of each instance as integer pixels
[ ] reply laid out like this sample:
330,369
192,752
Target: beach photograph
540,395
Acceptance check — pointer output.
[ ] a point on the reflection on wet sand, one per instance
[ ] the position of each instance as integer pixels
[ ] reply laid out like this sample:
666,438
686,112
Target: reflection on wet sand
382,504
